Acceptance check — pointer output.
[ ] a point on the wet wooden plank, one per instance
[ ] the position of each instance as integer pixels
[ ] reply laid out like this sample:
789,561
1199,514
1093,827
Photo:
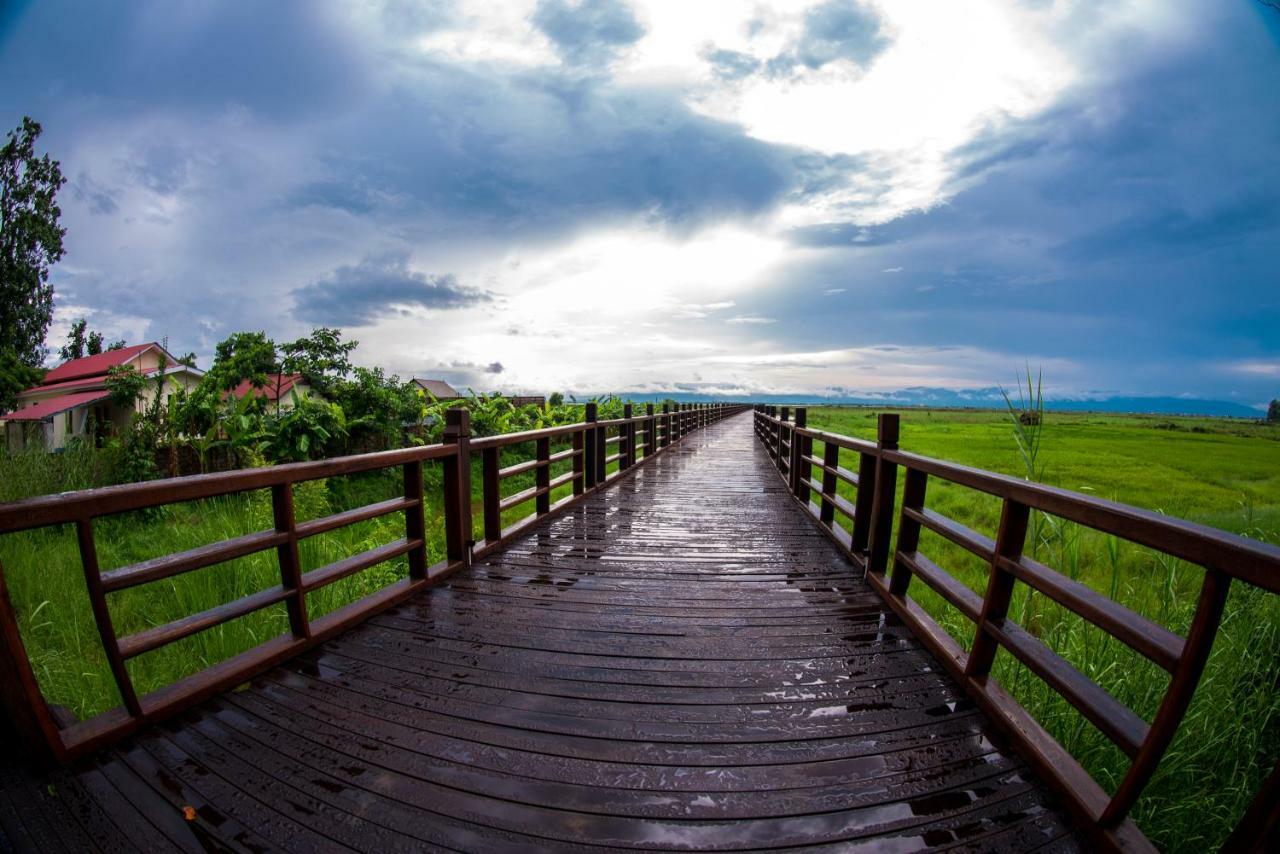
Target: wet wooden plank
682,661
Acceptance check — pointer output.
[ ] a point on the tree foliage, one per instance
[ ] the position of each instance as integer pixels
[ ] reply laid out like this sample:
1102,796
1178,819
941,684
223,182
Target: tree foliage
1273,412
125,385
30,241
15,376
322,358
243,356
354,408
79,344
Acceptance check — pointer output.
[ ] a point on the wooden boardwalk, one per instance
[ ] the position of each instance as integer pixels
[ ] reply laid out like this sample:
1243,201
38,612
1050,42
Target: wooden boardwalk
632,674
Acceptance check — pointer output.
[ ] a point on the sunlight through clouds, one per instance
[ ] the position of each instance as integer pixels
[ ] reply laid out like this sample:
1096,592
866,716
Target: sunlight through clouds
605,195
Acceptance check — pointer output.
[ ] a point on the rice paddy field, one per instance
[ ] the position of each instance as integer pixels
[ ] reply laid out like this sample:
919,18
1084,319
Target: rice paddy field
1225,473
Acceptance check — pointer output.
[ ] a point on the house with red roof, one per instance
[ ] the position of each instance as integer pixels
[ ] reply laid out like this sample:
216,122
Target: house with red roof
72,399
280,390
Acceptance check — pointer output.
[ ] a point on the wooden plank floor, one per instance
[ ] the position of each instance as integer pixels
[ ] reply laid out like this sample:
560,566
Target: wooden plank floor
682,661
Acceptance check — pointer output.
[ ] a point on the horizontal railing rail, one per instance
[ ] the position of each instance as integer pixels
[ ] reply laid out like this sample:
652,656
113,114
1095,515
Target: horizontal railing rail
33,725
865,537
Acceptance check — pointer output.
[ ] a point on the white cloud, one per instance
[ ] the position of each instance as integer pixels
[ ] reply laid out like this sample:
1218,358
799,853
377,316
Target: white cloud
753,319
1258,368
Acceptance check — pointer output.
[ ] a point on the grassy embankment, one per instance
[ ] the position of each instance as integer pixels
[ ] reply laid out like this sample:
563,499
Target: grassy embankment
1217,472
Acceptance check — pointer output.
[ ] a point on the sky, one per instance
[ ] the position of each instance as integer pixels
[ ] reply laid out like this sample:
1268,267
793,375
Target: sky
657,195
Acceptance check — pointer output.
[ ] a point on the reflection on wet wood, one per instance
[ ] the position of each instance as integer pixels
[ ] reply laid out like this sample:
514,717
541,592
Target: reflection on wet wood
681,661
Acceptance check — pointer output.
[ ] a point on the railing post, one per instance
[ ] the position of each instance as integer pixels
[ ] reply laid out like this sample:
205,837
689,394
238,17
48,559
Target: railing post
291,566
1182,687
666,424
913,490
102,616
995,605
628,442
457,486
863,499
589,450
542,477
491,494
886,482
579,462
827,508
784,460
781,415
650,433
602,452
25,721
771,430
801,447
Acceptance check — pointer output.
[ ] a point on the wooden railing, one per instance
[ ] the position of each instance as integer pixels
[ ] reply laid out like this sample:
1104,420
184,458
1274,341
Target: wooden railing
866,535
34,728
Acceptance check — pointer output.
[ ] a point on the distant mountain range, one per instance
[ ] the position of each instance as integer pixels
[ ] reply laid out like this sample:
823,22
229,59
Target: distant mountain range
980,398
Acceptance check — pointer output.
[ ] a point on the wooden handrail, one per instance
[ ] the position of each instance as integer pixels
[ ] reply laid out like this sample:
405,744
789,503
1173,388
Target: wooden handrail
1224,557
25,714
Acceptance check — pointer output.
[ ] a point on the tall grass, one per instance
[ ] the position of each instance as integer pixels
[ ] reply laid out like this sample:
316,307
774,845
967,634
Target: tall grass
1229,739
43,571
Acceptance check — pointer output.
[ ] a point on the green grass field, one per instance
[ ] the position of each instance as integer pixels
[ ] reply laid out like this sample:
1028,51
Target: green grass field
1223,473
42,569
1219,472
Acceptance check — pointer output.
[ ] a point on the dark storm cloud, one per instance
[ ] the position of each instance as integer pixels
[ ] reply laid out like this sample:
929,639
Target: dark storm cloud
362,293
187,57
588,32
284,143
731,64
831,31
836,30
594,151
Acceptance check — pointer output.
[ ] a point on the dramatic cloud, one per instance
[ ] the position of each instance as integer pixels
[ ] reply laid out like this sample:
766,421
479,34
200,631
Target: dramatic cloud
597,195
360,294
835,30
588,32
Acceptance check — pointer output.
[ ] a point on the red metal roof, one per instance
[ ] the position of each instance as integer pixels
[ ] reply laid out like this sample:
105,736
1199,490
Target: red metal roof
70,385
439,388
272,390
91,366
54,405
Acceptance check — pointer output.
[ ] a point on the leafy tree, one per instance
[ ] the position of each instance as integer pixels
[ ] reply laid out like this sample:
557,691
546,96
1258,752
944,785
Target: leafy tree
125,384
321,358
15,377
1273,412
80,345
378,405
30,240
306,429
556,399
243,356
189,360
75,346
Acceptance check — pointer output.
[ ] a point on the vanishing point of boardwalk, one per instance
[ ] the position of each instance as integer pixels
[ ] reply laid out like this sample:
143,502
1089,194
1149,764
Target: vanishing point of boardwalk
680,661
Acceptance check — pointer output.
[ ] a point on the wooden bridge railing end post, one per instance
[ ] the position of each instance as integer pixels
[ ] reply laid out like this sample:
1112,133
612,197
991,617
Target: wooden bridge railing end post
457,486
886,483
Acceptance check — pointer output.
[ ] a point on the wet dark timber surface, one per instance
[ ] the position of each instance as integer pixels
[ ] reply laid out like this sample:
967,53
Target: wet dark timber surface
681,661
